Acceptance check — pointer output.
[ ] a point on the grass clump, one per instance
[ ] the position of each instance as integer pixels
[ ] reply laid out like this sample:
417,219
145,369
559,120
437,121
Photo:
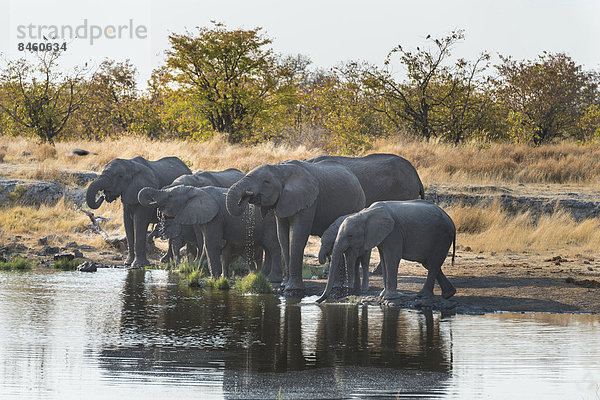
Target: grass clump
17,263
64,264
221,283
255,282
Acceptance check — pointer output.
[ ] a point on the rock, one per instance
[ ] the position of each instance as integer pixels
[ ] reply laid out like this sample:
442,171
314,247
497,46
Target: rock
87,266
66,256
118,242
77,253
43,241
71,244
117,257
586,262
36,193
590,269
49,250
85,247
26,153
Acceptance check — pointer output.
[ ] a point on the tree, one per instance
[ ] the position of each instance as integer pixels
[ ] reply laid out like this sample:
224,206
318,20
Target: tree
39,97
548,95
111,96
231,73
436,97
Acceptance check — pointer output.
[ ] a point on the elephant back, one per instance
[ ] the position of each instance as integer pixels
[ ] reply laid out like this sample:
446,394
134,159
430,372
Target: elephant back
167,169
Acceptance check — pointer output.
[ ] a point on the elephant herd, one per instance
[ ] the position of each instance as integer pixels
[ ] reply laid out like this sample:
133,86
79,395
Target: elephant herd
353,203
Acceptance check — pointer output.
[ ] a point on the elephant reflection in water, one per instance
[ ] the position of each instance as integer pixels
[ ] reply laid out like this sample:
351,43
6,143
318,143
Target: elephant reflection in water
386,338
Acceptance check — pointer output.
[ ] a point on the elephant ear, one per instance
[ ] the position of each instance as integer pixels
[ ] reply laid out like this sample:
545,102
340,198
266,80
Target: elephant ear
140,177
378,225
299,191
200,208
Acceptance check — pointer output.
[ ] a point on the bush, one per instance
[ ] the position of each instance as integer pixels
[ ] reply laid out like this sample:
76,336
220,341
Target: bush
255,283
18,263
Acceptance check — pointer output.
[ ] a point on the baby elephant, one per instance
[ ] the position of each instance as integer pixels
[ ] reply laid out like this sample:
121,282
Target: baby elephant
327,243
204,209
414,230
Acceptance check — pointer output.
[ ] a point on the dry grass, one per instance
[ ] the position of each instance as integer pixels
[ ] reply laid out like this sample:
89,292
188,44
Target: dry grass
441,163
62,219
492,229
437,163
482,229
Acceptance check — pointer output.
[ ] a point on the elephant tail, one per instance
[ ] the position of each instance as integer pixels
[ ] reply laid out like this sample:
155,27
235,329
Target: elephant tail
453,247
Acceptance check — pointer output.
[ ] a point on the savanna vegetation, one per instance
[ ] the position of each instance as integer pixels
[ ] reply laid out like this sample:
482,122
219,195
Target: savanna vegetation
218,81
224,98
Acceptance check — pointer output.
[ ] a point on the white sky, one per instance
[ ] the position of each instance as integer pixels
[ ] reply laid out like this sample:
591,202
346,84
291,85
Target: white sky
327,31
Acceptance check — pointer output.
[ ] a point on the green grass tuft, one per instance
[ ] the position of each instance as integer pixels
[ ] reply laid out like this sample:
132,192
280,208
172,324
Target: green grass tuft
255,283
17,263
221,283
64,264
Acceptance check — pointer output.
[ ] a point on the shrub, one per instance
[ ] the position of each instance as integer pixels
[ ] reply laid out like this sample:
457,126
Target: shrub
255,283
19,263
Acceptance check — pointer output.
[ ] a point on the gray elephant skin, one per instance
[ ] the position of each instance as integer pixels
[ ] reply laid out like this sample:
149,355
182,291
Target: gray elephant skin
356,272
382,176
178,235
415,230
224,234
306,198
186,234
125,178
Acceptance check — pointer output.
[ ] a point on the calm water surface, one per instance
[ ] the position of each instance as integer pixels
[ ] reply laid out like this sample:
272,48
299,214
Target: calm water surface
139,335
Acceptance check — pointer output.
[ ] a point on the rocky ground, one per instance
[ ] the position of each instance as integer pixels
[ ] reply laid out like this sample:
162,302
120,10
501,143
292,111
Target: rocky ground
485,282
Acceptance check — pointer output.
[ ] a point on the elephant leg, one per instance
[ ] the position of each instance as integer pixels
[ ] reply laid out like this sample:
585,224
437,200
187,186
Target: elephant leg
169,254
356,276
227,257
364,261
391,259
448,289
176,246
141,218
273,255
427,290
128,223
378,269
266,266
299,236
283,235
213,236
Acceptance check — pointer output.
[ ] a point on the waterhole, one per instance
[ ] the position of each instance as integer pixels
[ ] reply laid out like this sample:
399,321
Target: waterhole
139,334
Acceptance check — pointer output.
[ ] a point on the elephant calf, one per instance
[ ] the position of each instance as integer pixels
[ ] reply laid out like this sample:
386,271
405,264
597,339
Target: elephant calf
205,209
327,243
414,230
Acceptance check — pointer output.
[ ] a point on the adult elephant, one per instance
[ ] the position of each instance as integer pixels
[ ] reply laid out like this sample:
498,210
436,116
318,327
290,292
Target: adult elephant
125,178
178,234
383,177
306,198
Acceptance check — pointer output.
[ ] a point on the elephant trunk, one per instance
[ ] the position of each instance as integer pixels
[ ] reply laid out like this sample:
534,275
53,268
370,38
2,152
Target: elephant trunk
334,267
237,197
92,191
147,196
324,252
